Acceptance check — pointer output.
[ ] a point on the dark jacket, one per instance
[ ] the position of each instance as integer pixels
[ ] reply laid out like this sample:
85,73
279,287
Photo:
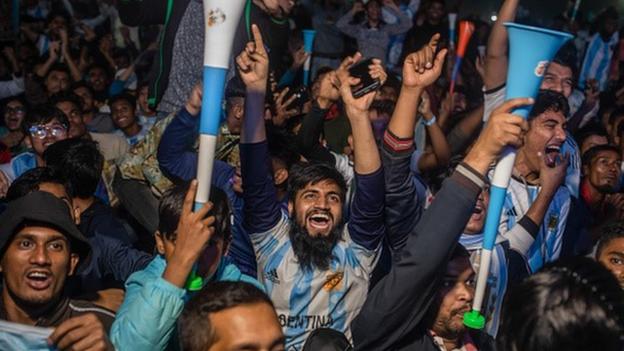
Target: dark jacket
393,316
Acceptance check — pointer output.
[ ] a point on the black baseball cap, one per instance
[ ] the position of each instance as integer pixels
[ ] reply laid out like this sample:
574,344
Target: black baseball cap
47,209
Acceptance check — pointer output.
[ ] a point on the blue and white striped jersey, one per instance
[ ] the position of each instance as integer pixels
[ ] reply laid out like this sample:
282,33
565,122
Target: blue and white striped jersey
309,299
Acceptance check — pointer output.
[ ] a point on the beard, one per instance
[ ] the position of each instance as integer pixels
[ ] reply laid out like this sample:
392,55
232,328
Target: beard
312,251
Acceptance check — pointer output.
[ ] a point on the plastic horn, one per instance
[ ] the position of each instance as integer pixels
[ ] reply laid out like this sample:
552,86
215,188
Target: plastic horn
221,18
15,16
466,29
577,4
452,19
308,45
524,76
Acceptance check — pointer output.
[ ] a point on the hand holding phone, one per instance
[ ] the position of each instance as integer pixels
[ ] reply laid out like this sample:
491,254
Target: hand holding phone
367,83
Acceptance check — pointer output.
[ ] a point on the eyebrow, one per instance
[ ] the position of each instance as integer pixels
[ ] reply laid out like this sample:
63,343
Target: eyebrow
616,253
33,237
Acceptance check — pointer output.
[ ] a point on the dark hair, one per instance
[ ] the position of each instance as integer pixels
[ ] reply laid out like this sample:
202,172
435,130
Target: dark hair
589,130
80,163
131,100
609,233
590,154
81,84
100,66
170,210
566,56
53,14
570,305
43,114
302,174
30,181
194,327
282,146
548,100
66,96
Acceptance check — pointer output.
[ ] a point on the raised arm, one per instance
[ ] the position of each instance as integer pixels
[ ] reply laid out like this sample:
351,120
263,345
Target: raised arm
496,54
402,298
402,25
402,203
366,224
261,209
440,153
344,23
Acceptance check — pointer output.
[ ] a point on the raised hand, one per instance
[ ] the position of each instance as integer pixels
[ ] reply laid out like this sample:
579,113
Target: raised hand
193,104
253,63
423,67
361,104
84,332
282,111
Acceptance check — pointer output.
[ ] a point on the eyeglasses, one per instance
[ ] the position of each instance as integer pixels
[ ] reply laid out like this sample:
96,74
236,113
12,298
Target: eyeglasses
17,110
41,131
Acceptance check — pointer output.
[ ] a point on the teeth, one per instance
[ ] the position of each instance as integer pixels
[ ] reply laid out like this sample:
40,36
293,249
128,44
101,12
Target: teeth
320,217
37,275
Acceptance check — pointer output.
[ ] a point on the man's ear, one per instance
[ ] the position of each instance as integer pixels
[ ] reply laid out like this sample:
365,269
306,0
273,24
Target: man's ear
160,243
280,176
73,263
77,213
291,208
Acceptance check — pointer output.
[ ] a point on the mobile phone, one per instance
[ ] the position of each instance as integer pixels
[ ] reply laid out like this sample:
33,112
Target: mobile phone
367,83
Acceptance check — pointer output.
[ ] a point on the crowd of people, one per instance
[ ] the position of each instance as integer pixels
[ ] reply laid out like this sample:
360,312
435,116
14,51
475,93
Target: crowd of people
335,222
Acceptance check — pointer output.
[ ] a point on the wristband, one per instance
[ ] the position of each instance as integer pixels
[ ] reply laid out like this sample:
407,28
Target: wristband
431,122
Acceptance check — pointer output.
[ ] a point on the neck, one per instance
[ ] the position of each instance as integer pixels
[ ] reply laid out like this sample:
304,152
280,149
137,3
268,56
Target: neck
591,195
40,161
83,204
21,314
523,168
373,23
87,117
132,130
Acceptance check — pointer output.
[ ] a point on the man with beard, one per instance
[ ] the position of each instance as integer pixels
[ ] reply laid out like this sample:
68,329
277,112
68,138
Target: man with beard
599,202
315,268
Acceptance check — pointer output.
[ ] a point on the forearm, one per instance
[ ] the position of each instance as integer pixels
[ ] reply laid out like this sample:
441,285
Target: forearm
253,130
365,149
76,74
439,144
538,209
310,133
178,270
405,113
496,57
43,69
175,155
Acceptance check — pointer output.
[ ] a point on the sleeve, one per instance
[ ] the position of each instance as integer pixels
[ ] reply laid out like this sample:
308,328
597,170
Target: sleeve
176,157
261,209
344,26
143,12
120,259
403,208
366,221
11,87
401,299
402,25
148,315
491,100
309,135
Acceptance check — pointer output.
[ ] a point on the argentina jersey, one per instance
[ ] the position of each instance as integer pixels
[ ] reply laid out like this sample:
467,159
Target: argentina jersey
547,245
309,299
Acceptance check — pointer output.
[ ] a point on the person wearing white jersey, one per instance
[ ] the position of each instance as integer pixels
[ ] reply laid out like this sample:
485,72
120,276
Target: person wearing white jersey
315,268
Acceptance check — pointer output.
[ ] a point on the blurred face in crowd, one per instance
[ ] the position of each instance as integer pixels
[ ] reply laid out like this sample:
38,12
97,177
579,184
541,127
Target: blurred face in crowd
593,140
546,135
612,257
609,26
56,81
98,79
35,266
142,100
56,24
318,208
47,134
457,293
558,78
435,12
14,113
87,98
122,113
603,172
77,127
460,104
373,11
236,328
477,220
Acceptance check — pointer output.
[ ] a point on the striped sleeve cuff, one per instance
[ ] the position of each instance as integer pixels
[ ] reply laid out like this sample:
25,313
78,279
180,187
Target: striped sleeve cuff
474,176
396,144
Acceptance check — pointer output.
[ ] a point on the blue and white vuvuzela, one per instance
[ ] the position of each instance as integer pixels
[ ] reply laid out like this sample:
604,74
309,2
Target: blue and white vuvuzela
530,51
221,18
308,46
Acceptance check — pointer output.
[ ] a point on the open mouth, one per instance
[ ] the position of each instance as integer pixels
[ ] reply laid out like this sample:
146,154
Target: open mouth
39,280
552,152
320,220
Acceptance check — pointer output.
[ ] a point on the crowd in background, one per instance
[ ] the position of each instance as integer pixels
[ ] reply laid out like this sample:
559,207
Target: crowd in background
334,221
